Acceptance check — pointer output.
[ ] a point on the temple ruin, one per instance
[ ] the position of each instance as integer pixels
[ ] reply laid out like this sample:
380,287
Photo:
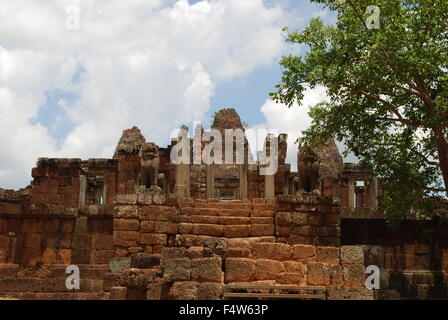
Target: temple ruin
140,227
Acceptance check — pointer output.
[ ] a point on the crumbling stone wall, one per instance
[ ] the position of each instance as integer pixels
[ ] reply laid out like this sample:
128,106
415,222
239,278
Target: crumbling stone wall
202,272
308,219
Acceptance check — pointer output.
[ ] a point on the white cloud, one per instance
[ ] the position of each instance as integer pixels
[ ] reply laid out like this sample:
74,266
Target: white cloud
292,120
150,63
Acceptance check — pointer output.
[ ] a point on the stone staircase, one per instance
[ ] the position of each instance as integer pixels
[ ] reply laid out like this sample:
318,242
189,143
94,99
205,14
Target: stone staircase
48,283
228,218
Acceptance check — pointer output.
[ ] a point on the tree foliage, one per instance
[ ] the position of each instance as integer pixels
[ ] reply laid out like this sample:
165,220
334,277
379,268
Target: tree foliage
388,93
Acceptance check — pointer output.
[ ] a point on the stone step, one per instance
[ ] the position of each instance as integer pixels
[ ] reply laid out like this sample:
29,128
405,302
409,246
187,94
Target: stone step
48,285
54,296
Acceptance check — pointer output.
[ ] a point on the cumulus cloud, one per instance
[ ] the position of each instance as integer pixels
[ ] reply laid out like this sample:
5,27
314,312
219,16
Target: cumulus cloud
150,63
292,120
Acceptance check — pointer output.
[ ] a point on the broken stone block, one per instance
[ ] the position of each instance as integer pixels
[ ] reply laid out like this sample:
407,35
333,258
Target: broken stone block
352,255
267,269
239,270
144,261
215,247
177,269
118,264
137,278
187,290
207,270
210,291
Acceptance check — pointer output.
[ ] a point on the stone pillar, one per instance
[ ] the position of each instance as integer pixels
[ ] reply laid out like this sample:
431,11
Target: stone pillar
82,190
182,188
269,186
210,181
351,193
243,181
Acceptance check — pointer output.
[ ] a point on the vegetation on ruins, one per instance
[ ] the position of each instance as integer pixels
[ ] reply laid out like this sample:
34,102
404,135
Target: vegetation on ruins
385,67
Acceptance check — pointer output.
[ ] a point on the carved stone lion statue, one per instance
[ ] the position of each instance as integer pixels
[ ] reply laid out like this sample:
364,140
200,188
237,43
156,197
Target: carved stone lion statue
149,165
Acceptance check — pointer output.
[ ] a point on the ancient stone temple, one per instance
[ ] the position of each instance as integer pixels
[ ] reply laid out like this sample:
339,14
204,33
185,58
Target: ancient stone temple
138,226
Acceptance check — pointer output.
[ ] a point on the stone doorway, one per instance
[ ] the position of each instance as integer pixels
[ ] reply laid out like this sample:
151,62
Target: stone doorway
227,182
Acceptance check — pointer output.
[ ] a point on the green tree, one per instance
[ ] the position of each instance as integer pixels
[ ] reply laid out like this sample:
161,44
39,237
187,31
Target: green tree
385,68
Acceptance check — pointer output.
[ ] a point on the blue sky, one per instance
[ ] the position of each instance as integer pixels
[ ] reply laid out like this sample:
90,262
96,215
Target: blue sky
69,90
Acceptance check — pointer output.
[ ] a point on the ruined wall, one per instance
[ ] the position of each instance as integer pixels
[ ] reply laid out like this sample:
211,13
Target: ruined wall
308,219
202,272
60,237
56,181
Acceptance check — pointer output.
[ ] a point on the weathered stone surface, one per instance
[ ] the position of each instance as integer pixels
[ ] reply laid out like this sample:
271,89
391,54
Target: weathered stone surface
118,264
177,269
302,252
126,238
319,274
294,267
273,251
352,255
130,141
215,247
126,225
327,255
291,278
210,291
172,253
354,275
144,260
137,278
118,293
239,270
207,270
343,293
267,269
154,291
187,290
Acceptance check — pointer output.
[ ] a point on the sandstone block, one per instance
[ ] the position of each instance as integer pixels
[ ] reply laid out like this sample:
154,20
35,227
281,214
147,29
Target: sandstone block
352,255
302,252
239,270
177,269
291,278
273,251
210,291
267,269
319,274
327,255
236,231
144,261
207,270
153,239
258,230
126,238
187,290
354,275
116,265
